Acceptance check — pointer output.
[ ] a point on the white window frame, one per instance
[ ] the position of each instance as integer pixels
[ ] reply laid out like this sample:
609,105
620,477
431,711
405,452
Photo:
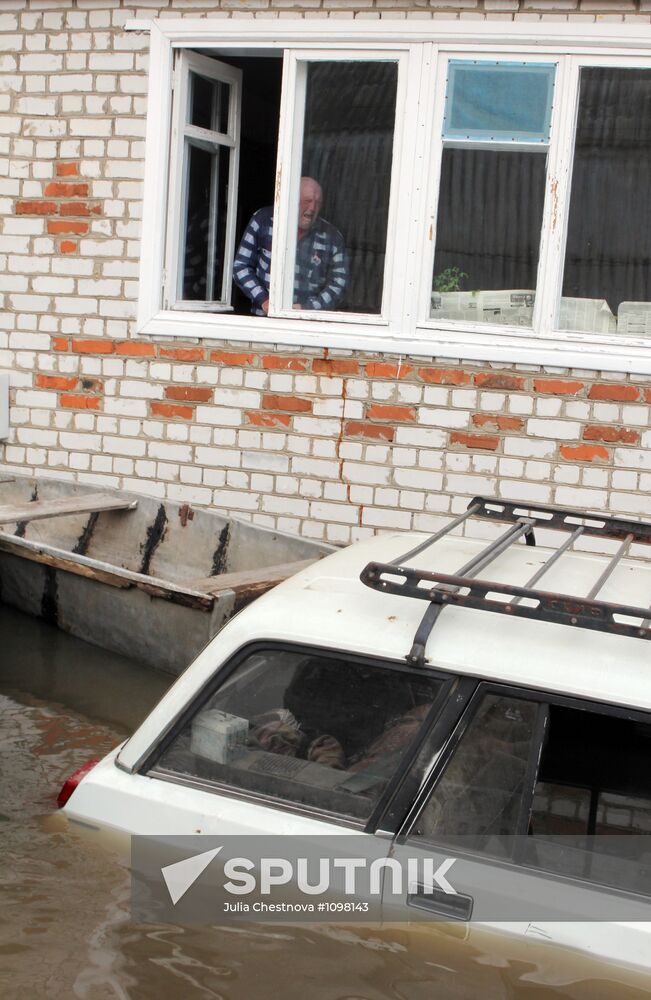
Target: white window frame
438,99
183,135
404,325
282,279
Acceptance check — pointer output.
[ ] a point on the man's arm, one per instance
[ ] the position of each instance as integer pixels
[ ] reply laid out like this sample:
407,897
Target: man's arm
336,279
245,264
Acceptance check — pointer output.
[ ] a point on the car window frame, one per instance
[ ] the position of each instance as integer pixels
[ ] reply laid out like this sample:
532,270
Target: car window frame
148,765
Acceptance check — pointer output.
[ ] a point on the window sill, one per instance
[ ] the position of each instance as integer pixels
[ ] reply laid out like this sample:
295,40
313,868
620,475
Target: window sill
498,344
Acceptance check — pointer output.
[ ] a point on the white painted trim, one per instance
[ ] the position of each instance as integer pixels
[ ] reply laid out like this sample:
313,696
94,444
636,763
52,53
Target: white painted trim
558,179
290,144
565,352
212,141
4,406
178,183
157,153
499,36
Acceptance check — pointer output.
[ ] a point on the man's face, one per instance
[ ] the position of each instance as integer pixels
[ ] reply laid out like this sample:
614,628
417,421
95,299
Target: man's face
309,204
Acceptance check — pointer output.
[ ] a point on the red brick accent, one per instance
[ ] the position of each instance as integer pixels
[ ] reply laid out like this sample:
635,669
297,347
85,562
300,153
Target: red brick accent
78,208
499,380
375,432
170,410
647,395
93,346
36,208
56,382
190,394
267,419
444,376
231,358
57,189
483,442
335,366
183,353
272,361
557,387
613,435
80,402
67,169
380,411
584,452
293,403
68,246
498,422
614,393
135,349
58,226
60,343
382,369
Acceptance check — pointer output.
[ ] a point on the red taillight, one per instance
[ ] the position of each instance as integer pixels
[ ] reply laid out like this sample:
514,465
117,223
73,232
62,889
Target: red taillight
74,779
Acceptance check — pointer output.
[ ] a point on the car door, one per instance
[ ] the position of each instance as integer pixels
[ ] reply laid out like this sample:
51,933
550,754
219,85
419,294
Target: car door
527,812
289,742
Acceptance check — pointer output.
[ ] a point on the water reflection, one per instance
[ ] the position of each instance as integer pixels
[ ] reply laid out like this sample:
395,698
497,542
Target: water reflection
39,659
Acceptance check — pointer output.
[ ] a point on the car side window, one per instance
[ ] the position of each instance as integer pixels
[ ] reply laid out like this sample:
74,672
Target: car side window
559,787
310,729
591,810
480,792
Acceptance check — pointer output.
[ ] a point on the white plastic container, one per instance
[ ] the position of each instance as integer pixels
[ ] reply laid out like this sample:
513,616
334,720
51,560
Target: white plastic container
218,736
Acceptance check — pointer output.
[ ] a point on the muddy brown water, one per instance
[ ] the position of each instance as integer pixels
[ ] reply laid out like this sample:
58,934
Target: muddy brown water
65,927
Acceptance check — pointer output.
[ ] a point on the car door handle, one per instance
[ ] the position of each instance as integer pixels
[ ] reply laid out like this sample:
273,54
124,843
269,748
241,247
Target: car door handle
452,906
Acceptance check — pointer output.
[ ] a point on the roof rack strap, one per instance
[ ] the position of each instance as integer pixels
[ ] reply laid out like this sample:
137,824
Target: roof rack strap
416,655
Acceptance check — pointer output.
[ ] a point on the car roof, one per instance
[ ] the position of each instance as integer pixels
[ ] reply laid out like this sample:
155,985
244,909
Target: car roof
327,606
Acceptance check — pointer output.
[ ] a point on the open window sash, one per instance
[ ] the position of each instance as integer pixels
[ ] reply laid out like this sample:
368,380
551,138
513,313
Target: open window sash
303,75
206,121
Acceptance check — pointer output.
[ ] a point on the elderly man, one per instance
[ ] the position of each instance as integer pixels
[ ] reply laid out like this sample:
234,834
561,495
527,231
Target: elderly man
320,272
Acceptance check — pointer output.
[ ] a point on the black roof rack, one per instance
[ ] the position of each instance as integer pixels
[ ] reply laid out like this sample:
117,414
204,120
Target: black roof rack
465,590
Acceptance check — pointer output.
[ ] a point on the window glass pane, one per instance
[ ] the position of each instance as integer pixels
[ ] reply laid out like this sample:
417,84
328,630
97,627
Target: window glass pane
488,235
209,103
607,281
498,102
347,157
591,814
307,729
205,230
480,792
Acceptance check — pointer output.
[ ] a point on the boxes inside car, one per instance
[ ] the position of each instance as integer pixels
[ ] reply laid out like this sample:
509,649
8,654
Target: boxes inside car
218,736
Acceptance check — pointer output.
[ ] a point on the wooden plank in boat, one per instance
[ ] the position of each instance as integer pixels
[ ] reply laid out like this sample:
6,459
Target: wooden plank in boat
94,569
59,560
249,581
88,504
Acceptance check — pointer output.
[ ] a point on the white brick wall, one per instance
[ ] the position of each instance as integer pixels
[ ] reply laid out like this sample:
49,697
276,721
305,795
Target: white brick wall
194,421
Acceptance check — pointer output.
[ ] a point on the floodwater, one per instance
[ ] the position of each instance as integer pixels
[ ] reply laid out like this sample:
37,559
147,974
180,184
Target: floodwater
65,928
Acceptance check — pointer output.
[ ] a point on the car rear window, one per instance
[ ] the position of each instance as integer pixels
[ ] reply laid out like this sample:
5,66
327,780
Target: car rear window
314,730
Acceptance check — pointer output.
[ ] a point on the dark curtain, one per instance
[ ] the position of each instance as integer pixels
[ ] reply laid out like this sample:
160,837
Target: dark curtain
489,218
609,237
347,147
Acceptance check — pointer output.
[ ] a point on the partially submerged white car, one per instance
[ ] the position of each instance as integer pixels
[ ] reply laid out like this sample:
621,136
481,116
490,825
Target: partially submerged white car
492,696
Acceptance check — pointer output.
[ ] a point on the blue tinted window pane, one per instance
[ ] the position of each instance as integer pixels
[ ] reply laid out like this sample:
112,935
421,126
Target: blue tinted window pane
500,102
